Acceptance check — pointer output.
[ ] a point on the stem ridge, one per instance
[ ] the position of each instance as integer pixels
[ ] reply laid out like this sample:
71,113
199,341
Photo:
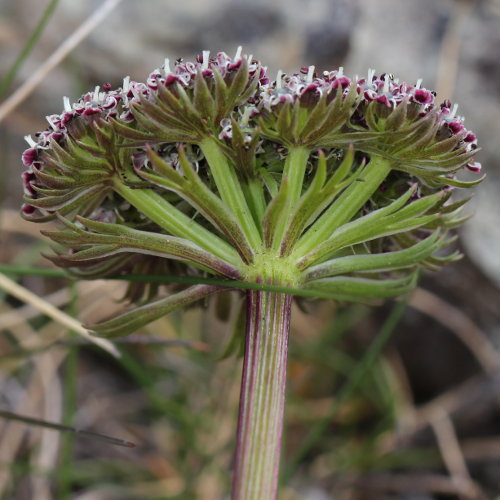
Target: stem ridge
262,399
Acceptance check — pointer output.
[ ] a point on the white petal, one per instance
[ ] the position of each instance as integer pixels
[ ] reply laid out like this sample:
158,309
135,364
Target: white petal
30,141
126,84
166,67
206,56
310,73
67,104
279,76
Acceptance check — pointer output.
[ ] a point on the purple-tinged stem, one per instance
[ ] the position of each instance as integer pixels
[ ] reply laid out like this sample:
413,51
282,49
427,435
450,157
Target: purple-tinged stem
262,398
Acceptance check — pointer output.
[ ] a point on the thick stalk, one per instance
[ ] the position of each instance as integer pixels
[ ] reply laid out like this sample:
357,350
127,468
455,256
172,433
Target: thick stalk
262,397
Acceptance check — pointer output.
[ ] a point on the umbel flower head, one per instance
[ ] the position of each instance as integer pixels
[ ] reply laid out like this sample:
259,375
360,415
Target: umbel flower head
340,186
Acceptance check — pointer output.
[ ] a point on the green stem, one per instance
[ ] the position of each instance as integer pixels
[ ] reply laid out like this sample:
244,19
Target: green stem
293,173
230,190
262,396
176,223
254,194
294,169
346,205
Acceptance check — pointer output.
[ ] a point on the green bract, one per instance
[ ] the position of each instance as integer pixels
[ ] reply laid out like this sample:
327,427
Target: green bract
335,185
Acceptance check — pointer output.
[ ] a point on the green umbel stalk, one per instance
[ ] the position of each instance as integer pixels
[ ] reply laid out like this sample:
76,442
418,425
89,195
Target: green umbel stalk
230,190
262,397
175,222
254,193
346,205
293,175
294,170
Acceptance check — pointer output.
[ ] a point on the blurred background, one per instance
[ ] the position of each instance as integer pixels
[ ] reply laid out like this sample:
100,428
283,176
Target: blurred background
416,418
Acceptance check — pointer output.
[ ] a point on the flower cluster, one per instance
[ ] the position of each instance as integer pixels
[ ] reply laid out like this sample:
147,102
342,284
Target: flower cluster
185,73
309,180
106,103
409,103
103,104
304,87
385,89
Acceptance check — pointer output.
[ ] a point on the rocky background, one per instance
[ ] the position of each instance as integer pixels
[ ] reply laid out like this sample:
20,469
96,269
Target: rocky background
446,339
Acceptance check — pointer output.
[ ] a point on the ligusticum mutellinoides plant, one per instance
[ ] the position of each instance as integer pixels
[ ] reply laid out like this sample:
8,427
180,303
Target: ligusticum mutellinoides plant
338,186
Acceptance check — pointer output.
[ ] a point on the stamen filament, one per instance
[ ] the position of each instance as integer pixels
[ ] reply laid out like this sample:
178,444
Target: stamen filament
279,76
206,56
126,84
386,83
67,104
166,67
310,74
30,140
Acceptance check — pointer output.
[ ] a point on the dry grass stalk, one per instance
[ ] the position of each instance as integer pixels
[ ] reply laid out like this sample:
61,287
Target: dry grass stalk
56,57
48,309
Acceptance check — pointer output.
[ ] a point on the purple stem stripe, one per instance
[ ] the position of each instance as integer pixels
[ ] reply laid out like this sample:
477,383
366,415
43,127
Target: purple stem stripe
262,398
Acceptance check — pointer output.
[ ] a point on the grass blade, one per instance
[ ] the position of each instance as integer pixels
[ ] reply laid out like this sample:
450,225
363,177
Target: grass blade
65,428
28,47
